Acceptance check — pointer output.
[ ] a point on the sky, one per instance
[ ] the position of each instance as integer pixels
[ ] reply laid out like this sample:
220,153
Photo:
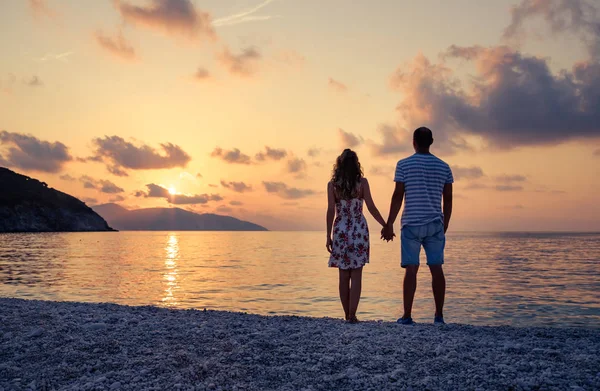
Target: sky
240,107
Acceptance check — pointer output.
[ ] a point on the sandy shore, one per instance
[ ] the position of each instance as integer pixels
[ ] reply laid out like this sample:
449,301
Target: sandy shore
77,346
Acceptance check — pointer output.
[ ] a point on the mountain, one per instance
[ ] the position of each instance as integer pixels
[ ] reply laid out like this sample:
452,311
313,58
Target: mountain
170,219
28,205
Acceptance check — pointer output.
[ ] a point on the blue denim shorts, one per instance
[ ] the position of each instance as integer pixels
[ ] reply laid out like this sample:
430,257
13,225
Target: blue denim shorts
431,236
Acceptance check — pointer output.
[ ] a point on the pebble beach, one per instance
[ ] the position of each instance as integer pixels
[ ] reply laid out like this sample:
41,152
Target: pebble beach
48,345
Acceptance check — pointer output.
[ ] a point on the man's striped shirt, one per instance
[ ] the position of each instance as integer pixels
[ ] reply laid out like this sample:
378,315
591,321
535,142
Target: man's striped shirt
424,177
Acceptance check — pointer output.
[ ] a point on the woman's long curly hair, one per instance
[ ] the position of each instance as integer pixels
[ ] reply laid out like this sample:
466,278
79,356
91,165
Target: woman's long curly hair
347,174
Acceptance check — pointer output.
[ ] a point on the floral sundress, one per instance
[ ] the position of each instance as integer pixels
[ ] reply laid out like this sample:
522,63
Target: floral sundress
350,248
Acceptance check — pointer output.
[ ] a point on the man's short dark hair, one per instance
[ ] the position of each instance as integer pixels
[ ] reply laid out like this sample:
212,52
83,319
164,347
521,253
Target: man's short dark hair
423,137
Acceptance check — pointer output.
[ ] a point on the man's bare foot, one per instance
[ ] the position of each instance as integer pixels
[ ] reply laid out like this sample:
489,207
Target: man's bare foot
353,320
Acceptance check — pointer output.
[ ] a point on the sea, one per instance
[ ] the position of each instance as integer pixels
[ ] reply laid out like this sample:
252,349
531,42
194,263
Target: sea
518,279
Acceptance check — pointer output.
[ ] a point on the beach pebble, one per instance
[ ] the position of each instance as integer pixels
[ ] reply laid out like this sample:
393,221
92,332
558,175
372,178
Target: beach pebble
35,333
398,374
115,386
96,326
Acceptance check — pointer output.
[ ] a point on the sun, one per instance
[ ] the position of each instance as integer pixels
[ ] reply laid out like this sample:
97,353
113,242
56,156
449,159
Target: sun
172,190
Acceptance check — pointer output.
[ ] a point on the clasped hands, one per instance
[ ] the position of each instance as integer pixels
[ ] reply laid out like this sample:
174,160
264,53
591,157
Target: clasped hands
387,232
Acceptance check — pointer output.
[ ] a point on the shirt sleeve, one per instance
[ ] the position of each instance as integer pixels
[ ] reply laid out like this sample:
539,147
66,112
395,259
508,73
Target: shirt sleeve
449,177
399,176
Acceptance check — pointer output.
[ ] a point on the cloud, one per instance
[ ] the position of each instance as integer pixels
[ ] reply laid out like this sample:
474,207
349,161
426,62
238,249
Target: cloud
314,152
238,187
201,74
337,86
101,185
89,200
476,186
182,199
394,140
188,176
545,189
511,178
29,153
115,170
349,140
64,57
236,203
117,46
384,171
118,198
173,17
119,154
234,156
508,188
516,207
67,178
245,16
40,8
34,81
296,166
577,17
6,85
284,191
243,64
224,209
596,152
157,191
472,172
291,58
271,153
514,99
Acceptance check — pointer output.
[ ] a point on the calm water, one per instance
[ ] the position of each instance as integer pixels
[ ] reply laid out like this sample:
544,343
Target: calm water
493,279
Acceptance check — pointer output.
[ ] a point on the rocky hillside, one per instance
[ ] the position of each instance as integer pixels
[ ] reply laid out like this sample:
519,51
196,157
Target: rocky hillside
28,205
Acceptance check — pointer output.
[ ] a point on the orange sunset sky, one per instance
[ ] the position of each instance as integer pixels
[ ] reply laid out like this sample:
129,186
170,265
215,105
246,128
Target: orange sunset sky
239,107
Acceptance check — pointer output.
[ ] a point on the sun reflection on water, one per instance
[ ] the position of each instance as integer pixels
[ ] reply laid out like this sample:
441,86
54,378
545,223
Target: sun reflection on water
170,273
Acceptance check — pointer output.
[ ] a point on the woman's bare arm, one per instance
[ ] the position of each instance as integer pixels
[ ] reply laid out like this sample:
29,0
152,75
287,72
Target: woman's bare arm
370,204
330,213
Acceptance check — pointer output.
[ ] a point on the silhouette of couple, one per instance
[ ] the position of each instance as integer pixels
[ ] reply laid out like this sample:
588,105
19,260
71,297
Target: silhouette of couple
423,181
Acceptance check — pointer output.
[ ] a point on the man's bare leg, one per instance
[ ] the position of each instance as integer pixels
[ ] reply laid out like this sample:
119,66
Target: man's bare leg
410,287
438,284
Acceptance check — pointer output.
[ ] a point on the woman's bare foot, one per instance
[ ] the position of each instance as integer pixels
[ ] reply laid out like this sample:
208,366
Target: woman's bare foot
353,320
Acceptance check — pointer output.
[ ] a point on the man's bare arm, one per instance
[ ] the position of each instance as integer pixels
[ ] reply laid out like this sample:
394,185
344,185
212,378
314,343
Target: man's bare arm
447,197
395,207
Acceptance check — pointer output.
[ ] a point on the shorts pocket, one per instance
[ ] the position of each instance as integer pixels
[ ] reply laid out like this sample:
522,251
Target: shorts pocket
437,230
410,233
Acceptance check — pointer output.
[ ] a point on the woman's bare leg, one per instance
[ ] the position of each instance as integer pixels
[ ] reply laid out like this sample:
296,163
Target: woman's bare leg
355,289
345,291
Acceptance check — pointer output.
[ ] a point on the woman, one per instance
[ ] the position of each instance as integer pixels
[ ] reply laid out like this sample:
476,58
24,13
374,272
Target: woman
349,246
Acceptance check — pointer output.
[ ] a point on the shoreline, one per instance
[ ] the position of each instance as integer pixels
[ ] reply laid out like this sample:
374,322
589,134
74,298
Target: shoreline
85,346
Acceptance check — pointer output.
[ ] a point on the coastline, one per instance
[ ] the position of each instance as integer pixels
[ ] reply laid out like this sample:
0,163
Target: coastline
83,346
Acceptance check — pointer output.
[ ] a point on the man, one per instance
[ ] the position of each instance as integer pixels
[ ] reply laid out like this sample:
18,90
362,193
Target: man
423,180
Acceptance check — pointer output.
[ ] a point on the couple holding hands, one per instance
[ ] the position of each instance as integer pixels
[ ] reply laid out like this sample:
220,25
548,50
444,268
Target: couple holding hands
423,183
